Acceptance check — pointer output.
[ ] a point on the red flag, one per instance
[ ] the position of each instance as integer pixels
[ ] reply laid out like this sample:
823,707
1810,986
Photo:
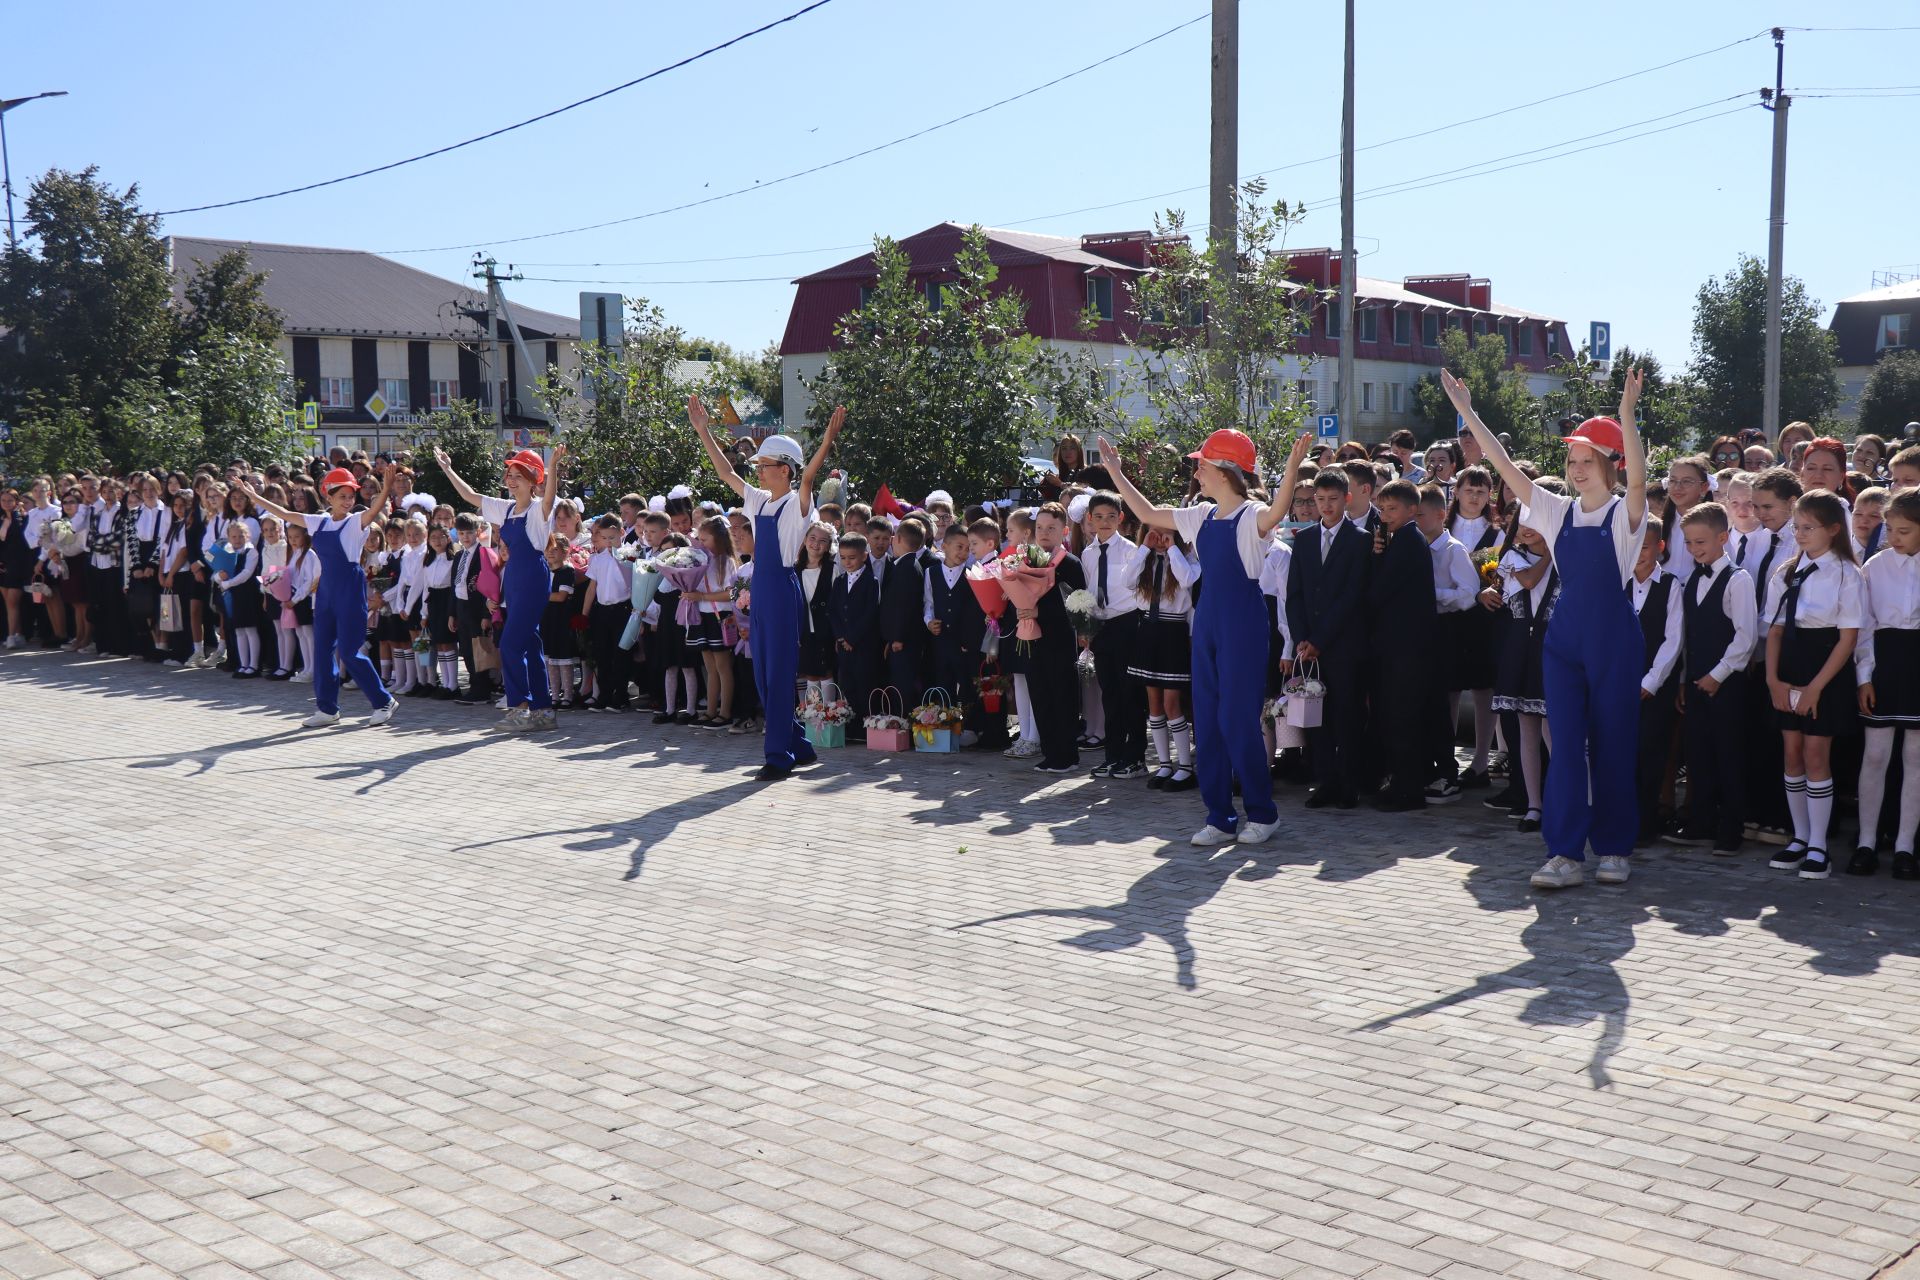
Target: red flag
885,504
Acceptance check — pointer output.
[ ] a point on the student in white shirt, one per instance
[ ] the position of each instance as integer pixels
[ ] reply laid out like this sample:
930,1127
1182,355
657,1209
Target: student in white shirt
1887,665
1163,652
1720,632
1810,640
608,606
1109,562
1456,602
1658,606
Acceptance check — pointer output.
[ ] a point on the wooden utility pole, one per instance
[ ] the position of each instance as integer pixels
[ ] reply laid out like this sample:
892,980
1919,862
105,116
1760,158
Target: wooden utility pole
1223,167
1776,237
1349,428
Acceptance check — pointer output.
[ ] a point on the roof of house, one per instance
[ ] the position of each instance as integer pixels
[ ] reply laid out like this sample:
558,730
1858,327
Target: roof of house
353,293
1905,291
938,244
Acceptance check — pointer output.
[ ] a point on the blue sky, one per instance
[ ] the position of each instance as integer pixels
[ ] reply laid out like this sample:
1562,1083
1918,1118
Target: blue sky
220,100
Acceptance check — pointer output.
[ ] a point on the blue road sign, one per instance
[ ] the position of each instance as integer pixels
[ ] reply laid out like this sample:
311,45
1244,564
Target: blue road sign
1600,342
1329,426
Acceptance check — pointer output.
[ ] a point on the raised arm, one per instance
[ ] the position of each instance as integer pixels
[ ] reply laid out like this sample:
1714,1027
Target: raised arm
379,503
1280,501
1516,481
460,487
1636,451
697,414
557,456
286,514
819,458
1154,517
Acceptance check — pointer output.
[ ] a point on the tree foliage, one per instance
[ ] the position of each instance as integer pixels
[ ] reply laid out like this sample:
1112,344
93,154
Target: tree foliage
1501,395
1729,353
1892,396
1665,413
472,444
939,395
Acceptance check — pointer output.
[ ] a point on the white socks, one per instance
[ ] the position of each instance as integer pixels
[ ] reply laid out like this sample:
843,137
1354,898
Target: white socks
1819,811
449,670
1157,730
304,633
1023,708
1181,732
1873,787
1797,805
248,642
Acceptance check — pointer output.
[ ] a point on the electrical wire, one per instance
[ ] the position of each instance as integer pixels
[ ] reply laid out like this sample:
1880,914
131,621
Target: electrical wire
818,168
545,115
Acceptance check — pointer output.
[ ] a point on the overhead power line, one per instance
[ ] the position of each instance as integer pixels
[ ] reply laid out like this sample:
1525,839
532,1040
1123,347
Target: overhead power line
545,115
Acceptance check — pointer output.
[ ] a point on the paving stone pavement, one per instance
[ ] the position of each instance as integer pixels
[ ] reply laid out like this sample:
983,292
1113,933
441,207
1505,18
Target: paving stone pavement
422,1002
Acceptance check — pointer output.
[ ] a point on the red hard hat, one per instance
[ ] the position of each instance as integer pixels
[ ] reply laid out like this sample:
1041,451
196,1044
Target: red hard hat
1228,445
337,477
529,461
1602,434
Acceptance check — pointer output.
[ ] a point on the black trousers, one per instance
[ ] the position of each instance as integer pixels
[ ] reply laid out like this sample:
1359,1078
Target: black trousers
857,672
1715,730
1650,768
1403,715
903,671
1765,794
1123,698
612,669
1337,745
468,613
1054,685
107,608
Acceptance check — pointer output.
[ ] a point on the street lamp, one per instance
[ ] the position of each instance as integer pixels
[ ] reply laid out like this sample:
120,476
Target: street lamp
6,165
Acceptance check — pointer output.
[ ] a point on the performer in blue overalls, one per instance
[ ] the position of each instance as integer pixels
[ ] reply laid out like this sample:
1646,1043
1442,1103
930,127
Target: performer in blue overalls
340,603
781,509
1231,536
522,523
1593,656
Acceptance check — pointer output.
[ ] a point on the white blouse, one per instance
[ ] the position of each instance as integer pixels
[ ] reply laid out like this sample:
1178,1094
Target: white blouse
1456,586
1548,511
1892,583
1831,593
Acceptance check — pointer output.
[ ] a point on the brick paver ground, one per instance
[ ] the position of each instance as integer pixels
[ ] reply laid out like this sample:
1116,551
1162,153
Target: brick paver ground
422,1002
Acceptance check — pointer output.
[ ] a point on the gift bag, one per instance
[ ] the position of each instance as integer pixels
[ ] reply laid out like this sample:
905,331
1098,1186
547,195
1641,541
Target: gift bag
928,737
887,728
1305,695
990,694
823,733
170,611
1287,735
486,654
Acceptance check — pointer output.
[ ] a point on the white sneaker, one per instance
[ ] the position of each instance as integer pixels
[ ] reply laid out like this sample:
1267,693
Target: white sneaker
301,677
548,719
1024,749
195,662
1257,832
182,666
320,720
1613,870
518,720
1209,836
14,642
71,646
1558,873
384,714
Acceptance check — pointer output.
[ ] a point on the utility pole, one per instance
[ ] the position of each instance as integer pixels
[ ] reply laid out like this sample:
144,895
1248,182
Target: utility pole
1776,232
1223,166
490,345
6,161
1348,263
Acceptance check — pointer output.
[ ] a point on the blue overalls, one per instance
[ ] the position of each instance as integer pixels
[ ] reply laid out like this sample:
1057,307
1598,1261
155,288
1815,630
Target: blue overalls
773,638
1230,678
1591,674
340,622
525,587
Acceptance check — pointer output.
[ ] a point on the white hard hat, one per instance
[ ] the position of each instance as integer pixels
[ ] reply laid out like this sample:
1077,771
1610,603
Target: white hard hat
780,449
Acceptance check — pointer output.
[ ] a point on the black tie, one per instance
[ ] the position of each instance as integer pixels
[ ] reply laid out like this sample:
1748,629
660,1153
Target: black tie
1153,606
1101,595
1700,574
1742,556
1766,563
1792,601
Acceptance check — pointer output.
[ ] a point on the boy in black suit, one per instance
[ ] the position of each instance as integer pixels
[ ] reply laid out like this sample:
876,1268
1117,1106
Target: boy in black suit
1051,671
1400,596
1326,592
853,612
903,627
471,616
1657,604
956,625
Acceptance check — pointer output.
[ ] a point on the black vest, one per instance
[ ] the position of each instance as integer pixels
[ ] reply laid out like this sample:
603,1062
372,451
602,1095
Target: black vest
1653,620
1708,629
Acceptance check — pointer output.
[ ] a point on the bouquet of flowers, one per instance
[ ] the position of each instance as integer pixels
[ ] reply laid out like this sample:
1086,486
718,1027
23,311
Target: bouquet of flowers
1027,574
993,687
937,723
63,538
684,569
277,583
1080,612
818,709
1304,694
736,624
1487,565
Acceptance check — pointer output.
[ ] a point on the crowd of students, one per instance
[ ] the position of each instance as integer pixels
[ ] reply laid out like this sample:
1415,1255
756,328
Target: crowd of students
1431,604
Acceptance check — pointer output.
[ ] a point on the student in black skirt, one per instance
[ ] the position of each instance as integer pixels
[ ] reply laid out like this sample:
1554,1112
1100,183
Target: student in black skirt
707,638
1163,655
16,566
242,591
1474,647
1810,642
436,582
1887,665
557,637
815,567
677,663
1530,586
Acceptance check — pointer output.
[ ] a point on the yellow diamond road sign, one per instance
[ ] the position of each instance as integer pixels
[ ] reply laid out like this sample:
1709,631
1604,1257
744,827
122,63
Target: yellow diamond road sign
377,406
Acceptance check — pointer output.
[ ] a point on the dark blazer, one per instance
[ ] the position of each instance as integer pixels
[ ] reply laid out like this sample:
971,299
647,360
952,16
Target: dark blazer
1056,626
1400,597
903,602
1324,601
855,615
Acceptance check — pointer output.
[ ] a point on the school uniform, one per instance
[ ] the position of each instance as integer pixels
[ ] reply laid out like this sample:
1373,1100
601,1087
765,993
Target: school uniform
431,598
1887,652
556,617
1326,594
470,616
949,601
1274,572
1456,599
816,628
1658,608
1766,796
1400,593
1472,643
853,612
902,603
1052,675
1163,642
1109,568
1817,598
1520,686
612,580
1720,630
242,592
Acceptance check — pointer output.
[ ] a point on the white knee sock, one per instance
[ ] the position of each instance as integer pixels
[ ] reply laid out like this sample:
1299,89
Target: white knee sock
1157,730
1819,811
1484,722
1023,708
690,679
563,691
1797,805
449,671
1873,781
304,633
669,698
1181,732
1909,792
423,666
248,641
554,667
1093,710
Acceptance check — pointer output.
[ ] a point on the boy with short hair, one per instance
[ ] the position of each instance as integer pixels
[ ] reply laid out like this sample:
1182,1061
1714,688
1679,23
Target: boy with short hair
853,614
608,604
1400,592
1326,594
1719,629
1109,562
1869,522
472,614
1456,589
1904,470
957,626
1362,480
902,604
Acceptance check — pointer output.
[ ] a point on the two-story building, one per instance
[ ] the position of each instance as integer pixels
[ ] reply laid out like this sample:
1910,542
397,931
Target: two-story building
1866,327
356,323
1398,323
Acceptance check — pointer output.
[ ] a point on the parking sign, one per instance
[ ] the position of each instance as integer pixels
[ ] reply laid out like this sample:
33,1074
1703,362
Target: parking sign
1600,342
1329,426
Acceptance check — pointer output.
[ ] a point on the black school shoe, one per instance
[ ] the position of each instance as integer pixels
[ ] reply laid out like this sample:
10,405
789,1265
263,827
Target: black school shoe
1863,863
1472,780
1815,865
1502,801
1906,867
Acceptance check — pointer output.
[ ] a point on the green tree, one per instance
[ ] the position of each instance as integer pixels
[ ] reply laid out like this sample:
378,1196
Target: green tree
1501,395
472,443
757,374
632,433
937,395
223,296
1729,353
1209,344
1892,396
1665,413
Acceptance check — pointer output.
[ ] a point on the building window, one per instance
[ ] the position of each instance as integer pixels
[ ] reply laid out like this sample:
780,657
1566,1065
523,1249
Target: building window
1393,397
935,295
1366,397
866,294
336,393
1480,326
1303,389
1429,329
1402,329
1523,338
441,393
395,392
1333,319
1367,324
1266,393
1553,341
1895,331
1100,296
